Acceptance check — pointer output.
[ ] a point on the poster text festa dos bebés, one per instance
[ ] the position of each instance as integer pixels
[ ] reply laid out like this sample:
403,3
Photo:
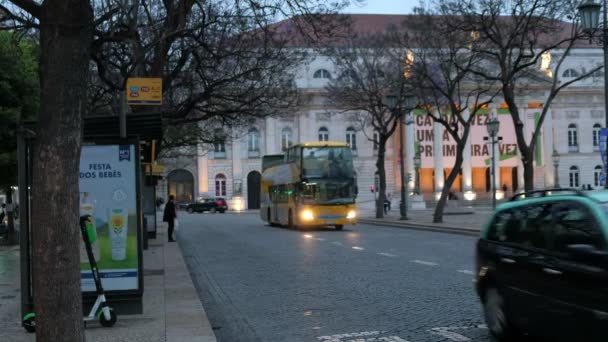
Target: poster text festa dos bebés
100,170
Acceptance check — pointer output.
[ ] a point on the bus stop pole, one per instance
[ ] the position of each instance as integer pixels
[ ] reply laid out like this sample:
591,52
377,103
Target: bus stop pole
24,221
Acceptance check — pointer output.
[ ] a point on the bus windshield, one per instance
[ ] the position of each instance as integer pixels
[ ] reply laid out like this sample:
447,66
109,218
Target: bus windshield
328,191
327,162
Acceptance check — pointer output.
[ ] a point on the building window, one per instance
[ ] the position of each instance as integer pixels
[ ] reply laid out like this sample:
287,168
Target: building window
219,146
572,138
323,134
597,174
574,181
220,185
322,73
351,138
596,137
253,140
286,138
570,73
375,140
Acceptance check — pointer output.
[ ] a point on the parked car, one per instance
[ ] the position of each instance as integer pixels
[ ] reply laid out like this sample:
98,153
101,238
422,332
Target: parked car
207,204
542,267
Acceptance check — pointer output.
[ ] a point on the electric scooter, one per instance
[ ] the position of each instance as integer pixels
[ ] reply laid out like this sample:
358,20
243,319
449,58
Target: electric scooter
100,310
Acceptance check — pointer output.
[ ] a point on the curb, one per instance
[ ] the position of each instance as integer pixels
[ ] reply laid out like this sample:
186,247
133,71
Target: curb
421,226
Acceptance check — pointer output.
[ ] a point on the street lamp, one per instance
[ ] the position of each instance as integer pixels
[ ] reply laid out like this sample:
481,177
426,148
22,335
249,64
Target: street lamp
417,164
555,157
391,102
590,19
493,126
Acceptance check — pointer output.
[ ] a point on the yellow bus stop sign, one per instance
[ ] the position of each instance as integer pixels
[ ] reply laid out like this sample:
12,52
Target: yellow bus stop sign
145,91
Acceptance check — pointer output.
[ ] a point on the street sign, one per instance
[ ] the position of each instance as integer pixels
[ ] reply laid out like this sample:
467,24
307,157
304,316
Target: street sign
144,91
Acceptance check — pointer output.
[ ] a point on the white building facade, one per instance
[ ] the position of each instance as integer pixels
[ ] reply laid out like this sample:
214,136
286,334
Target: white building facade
570,130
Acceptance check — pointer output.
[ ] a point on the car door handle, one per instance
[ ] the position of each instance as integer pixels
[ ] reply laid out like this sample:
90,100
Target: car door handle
551,271
507,260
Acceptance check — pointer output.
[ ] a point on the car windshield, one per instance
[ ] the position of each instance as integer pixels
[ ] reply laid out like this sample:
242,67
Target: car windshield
327,162
328,192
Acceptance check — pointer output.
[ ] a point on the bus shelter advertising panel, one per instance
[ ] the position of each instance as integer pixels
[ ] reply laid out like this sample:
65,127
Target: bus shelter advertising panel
108,193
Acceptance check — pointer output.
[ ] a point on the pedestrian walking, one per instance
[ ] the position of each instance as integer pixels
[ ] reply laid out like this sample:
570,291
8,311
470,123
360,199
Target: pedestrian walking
169,216
504,188
390,202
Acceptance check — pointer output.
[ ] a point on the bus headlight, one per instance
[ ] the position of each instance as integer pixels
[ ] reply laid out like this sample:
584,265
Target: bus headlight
351,215
307,215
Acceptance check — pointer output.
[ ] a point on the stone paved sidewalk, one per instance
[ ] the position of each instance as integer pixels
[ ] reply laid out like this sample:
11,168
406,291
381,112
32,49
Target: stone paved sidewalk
460,220
172,309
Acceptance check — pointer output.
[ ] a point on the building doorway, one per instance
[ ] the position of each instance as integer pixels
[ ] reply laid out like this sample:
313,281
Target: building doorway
181,185
254,179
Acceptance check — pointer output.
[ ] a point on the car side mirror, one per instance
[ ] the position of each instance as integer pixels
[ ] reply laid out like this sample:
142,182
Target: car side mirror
587,252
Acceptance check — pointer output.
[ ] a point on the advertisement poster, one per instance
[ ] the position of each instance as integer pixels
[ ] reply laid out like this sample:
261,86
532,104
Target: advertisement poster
481,151
603,142
108,193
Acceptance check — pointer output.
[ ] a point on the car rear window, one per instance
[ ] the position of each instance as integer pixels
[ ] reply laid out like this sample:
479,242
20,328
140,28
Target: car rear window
527,226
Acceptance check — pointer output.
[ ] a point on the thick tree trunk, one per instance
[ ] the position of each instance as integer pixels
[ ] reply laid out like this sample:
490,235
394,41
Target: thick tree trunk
65,39
528,173
382,178
438,215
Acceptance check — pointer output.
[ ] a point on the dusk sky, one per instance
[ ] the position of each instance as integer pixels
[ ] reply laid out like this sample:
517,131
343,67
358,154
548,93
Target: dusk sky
384,7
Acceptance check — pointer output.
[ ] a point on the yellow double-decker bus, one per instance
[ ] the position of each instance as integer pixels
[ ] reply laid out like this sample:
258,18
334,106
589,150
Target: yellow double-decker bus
312,184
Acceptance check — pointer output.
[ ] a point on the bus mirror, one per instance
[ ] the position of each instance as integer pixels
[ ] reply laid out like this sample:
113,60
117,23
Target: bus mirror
356,190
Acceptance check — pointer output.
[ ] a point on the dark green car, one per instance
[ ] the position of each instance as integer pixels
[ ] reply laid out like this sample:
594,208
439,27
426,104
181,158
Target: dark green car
542,267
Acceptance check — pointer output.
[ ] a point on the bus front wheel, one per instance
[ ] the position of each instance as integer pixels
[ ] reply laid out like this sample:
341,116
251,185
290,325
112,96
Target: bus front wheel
290,223
338,227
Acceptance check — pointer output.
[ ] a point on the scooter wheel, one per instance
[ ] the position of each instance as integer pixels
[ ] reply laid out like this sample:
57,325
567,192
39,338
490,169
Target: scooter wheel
30,325
108,323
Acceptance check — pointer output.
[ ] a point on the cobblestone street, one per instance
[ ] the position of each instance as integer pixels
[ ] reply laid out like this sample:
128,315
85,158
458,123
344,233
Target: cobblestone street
366,283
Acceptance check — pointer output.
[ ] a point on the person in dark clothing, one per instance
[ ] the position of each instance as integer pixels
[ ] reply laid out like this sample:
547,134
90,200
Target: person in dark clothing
169,216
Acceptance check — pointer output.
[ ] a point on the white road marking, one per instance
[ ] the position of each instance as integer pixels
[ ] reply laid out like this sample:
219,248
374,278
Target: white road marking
466,272
422,262
365,336
450,335
358,248
337,243
320,239
387,255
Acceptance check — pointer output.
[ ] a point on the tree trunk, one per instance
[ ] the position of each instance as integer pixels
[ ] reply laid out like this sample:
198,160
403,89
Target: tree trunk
65,46
438,215
382,177
528,164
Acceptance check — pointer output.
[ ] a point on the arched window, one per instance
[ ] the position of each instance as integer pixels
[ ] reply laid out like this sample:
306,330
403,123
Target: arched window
351,138
571,73
253,140
572,138
220,185
597,175
349,75
323,134
322,73
286,138
596,136
574,178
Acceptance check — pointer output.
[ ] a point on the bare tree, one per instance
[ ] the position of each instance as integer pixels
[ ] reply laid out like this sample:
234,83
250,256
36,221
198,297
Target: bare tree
440,70
370,69
210,54
66,32
513,38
